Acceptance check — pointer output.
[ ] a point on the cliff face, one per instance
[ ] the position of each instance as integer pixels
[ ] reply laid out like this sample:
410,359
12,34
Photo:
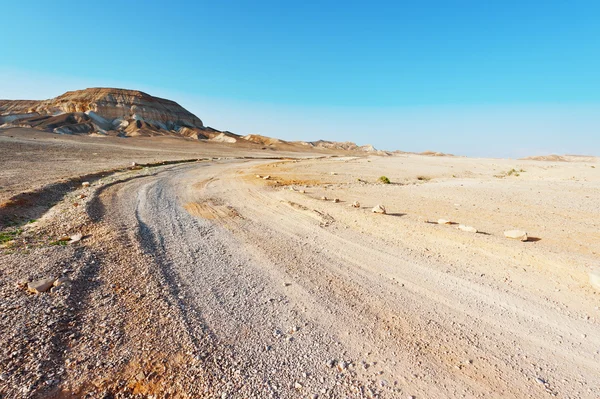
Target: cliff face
104,111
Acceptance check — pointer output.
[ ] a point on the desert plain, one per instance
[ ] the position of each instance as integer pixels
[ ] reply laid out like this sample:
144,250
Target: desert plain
246,272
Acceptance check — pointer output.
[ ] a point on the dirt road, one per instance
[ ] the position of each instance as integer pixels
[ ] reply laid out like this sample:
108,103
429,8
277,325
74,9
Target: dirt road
253,266
212,281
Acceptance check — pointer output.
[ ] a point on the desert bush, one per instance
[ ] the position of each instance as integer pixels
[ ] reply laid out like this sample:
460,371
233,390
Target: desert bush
384,180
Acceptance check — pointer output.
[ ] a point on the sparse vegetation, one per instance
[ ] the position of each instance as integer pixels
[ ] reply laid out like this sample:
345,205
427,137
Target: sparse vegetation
6,236
384,180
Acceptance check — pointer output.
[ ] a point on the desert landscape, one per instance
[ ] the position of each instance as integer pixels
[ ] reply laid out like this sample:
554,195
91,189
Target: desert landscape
143,254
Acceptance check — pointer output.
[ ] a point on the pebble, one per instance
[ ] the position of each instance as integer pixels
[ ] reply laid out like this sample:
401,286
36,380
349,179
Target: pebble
379,209
516,235
468,229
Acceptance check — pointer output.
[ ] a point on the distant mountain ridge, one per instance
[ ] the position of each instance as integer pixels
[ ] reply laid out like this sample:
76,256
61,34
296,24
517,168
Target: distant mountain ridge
130,113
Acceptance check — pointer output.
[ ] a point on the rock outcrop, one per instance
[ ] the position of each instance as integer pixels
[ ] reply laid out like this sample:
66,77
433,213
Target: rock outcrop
104,111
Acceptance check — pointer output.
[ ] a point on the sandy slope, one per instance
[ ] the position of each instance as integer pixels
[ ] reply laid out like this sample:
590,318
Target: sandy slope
210,281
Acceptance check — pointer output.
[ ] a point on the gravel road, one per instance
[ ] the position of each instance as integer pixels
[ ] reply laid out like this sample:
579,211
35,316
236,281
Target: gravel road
211,282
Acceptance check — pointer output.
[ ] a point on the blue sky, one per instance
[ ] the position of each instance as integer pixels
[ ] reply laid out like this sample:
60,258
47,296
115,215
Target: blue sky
479,78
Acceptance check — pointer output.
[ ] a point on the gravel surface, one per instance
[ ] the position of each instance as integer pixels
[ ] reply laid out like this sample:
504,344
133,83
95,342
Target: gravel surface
202,280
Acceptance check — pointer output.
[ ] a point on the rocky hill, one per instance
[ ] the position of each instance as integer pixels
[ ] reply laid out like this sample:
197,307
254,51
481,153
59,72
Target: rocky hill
104,111
130,113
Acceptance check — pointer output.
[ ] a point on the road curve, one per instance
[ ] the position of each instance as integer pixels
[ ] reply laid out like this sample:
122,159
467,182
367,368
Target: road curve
269,294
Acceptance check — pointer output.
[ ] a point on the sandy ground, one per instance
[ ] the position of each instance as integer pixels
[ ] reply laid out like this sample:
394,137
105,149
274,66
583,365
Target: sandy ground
202,279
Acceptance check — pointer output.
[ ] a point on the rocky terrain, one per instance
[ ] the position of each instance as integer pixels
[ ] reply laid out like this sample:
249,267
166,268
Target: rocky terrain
237,266
132,113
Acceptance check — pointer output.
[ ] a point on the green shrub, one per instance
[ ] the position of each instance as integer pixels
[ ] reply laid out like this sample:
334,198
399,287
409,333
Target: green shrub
384,180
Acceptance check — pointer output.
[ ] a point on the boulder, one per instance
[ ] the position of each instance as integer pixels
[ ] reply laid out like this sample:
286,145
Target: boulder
379,209
40,286
516,235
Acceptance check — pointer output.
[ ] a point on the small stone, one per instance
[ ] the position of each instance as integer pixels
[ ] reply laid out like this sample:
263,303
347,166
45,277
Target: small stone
297,385
303,191
133,164
468,229
336,200
516,235
594,276
324,198
443,221
81,196
40,286
379,209
333,173
331,363
355,204
259,176
61,280
3,377
75,238
267,177
285,284
85,184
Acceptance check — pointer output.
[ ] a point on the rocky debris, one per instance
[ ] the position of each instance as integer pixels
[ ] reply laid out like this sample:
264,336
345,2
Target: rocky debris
355,204
85,184
516,235
468,229
336,200
443,221
594,276
39,286
379,209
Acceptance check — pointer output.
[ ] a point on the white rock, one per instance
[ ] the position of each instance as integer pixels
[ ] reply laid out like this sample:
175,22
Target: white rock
516,235
379,209
75,238
468,229
259,176
336,200
595,279
355,204
85,184
267,177
444,221
324,198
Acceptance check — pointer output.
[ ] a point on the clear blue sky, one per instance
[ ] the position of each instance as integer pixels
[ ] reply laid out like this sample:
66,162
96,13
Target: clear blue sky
481,78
